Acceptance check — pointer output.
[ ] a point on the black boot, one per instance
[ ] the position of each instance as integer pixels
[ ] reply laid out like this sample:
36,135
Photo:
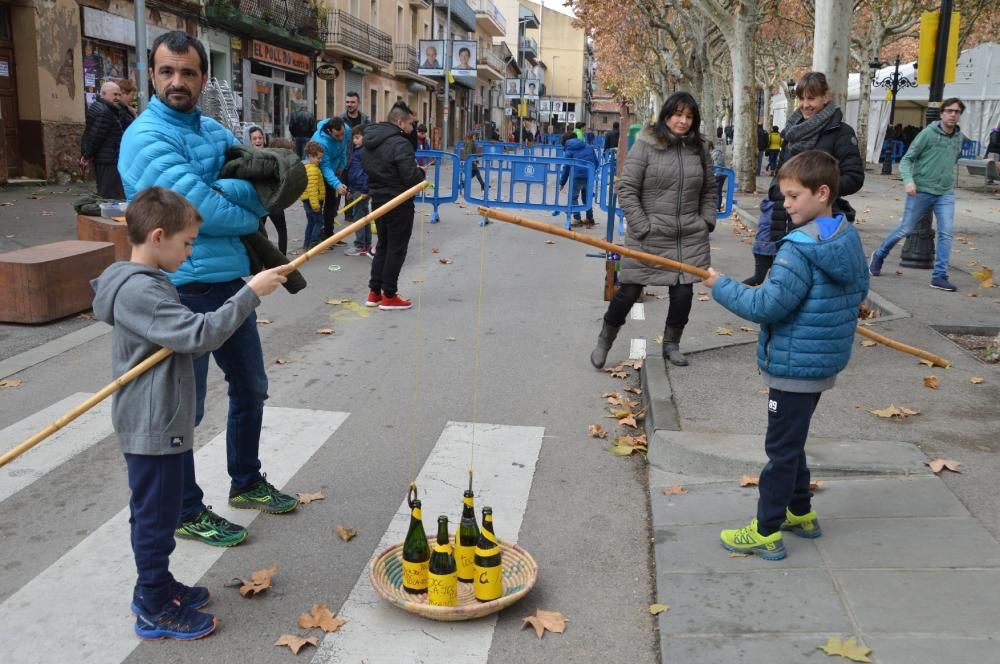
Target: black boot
672,346
604,341
761,264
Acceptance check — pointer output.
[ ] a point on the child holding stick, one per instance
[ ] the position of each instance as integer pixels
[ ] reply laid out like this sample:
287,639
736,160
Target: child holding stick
808,311
154,415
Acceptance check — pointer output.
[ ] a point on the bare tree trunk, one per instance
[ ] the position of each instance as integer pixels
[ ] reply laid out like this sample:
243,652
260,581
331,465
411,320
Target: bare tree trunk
832,45
744,130
866,55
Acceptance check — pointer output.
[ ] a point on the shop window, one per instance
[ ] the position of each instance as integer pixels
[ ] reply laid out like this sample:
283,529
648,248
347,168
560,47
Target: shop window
262,105
259,69
298,79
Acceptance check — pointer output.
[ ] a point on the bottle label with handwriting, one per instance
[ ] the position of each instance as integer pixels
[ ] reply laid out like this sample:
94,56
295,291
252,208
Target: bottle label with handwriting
442,589
415,576
488,583
465,559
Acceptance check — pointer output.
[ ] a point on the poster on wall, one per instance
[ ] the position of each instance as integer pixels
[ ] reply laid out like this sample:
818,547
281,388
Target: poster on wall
431,57
531,88
545,105
512,88
463,62
101,63
557,106
571,116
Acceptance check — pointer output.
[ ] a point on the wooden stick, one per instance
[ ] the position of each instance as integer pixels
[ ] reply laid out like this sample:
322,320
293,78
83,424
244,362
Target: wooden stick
164,353
683,267
936,360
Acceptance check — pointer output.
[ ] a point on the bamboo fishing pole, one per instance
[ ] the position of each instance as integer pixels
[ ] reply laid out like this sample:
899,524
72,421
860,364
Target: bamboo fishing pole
164,353
683,267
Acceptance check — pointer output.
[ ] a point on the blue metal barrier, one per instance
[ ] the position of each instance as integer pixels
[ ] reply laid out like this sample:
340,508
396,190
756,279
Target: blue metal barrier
607,173
898,150
730,176
970,149
442,172
529,183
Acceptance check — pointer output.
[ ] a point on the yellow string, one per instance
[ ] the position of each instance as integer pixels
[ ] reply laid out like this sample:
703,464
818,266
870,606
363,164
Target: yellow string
479,327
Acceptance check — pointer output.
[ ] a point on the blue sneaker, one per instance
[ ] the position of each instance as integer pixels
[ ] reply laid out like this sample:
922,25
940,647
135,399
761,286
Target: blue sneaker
942,283
875,265
175,622
189,597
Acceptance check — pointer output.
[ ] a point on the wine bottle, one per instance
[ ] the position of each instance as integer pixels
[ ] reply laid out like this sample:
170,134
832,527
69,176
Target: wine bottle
442,577
416,553
488,583
466,539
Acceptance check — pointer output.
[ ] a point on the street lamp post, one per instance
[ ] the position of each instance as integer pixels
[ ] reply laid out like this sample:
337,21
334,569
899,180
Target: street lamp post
893,84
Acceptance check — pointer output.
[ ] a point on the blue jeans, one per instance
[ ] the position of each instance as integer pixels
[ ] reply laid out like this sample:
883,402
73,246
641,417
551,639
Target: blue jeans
362,236
944,213
314,225
580,194
242,361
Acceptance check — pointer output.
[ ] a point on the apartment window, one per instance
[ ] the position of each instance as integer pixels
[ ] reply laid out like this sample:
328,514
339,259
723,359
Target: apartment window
374,12
388,102
400,37
355,8
426,121
374,112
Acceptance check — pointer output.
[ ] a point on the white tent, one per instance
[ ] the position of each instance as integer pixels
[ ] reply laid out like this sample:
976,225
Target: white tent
977,84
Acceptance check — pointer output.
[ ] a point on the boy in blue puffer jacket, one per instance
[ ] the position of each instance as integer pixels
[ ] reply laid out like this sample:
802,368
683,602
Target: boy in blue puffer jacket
356,180
576,148
808,311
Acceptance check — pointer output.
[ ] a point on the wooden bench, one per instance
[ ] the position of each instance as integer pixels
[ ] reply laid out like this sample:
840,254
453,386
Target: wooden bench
50,281
986,168
99,229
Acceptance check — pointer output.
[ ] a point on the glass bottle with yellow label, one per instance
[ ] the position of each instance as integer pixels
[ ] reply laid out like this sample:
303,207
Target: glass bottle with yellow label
488,584
466,539
442,577
416,553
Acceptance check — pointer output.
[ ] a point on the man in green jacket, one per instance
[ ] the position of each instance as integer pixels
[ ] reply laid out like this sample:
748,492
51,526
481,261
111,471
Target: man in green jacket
928,170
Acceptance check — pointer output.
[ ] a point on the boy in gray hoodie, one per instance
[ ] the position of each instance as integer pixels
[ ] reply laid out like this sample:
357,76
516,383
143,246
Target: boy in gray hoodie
154,414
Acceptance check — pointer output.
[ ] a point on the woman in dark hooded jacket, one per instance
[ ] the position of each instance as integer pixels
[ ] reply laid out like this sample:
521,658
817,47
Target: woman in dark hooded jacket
817,124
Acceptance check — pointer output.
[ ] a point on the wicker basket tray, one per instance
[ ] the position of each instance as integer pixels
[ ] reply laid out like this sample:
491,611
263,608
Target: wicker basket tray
520,573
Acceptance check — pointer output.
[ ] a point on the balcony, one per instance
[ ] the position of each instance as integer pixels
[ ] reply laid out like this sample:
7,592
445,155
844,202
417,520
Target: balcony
489,19
490,64
349,36
529,47
406,63
420,4
291,24
461,13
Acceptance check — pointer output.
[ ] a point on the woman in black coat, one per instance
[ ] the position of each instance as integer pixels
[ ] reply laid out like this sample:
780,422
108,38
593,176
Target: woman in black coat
817,124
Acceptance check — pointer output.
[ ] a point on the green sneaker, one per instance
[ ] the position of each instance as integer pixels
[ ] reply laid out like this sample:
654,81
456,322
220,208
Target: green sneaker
748,540
212,529
264,497
806,525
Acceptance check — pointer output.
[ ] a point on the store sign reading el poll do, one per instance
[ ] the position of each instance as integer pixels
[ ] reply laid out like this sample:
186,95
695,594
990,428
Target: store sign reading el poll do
281,57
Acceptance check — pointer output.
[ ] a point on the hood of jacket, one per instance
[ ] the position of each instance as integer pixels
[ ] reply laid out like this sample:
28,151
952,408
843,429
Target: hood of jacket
649,135
837,255
276,173
107,285
378,133
578,149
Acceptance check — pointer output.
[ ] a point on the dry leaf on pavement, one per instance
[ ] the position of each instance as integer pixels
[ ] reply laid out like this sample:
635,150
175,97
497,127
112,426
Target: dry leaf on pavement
634,390
444,261
892,411
306,498
281,360
927,362
597,431
435,250
657,609
868,343
259,581
635,364
550,242
816,485
675,490
703,297
321,616
984,276
931,382
724,331
658,339
749,480
340,300
295,642
325,330
848,649
346,534
747,328
10,382
629,421
617,372
976,380
937,465
263,321
552,621
450,339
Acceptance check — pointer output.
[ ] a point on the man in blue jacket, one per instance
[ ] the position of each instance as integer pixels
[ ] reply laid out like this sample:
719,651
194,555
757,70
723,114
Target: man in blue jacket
336,141
576,148
171,145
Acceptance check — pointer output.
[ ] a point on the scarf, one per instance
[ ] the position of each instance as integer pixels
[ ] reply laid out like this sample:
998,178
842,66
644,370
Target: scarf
802,135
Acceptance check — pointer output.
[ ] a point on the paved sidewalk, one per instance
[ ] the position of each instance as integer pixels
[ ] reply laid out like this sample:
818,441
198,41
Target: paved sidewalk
909,562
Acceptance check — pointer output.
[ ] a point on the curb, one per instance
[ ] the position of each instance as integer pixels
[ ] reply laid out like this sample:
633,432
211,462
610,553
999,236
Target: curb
657,397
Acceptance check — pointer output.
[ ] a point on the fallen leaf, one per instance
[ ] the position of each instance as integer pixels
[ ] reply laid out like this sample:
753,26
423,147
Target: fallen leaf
984,276
450,339
868,343
747,328
703,297
931,382
892,411
343,300
724,331
618,413
658,339
552,621
321,616
971,295
614,399
675,490
259,581
306,498
927,362
937,465
325,330
634,390
550,242
635,364
657,609
816,485
899,273
263,321
444,261
629,421
617,372
346,534
10,382
848,649
295,642
281,361
976,380
749,480
622,449
435,250
597,431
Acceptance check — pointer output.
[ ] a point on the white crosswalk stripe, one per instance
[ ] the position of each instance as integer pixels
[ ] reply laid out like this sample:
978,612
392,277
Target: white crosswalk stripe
99,571
637,349
79,435
505,458
638,311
